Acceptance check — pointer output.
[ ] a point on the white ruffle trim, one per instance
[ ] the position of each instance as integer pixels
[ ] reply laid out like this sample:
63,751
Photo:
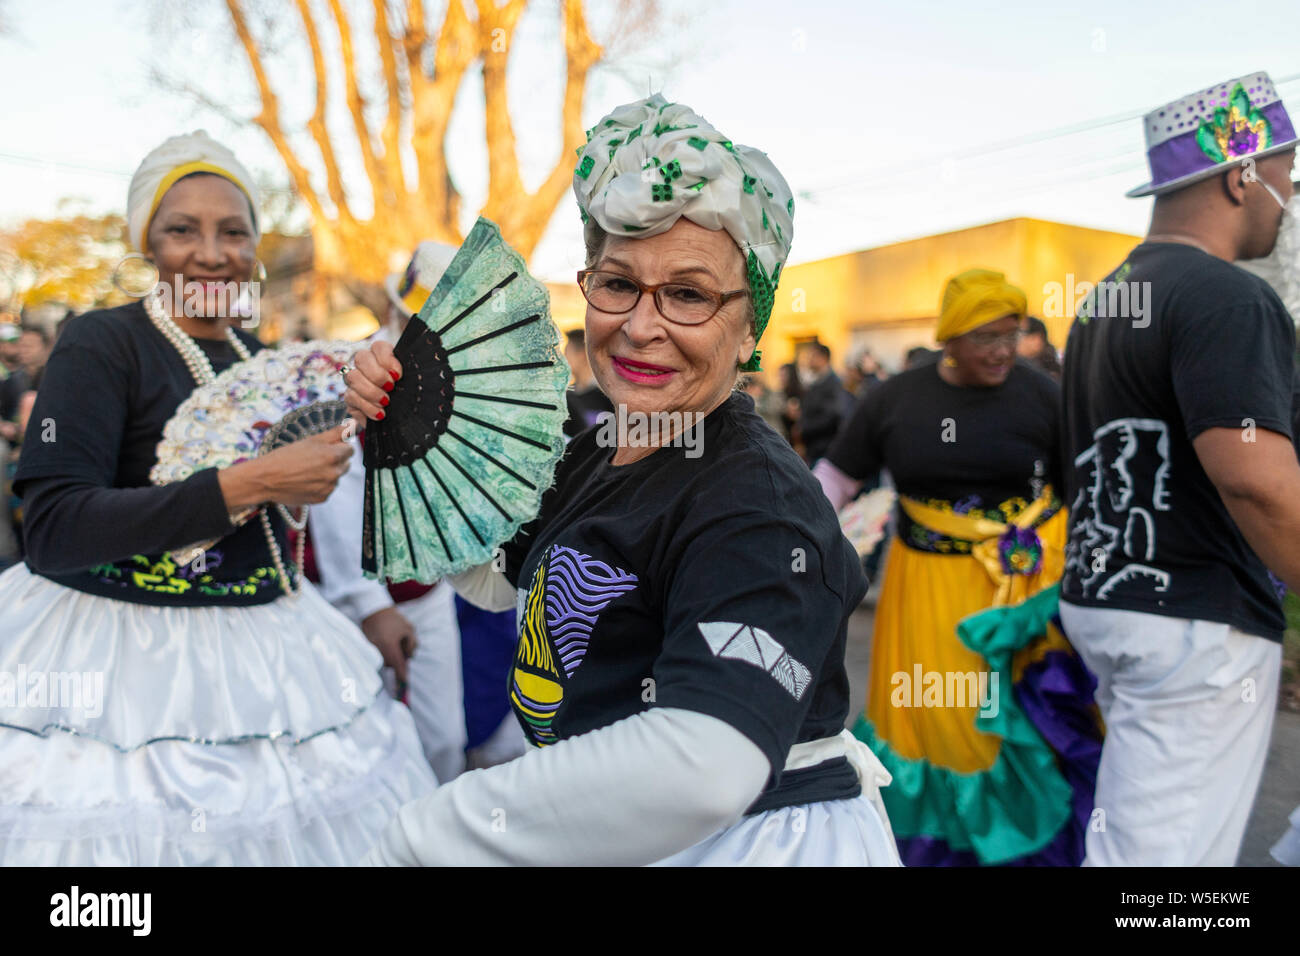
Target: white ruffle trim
289,669
829,833
68,801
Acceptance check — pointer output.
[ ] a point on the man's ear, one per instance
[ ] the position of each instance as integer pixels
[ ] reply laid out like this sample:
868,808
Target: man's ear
1234,185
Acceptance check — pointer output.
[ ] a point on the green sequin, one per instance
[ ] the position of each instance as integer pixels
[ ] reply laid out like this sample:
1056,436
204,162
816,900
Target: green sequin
697,142
789,205
748,184
727,145
631,228
585,167
765,219
661,193
660,128
698,186
634,134
762,292
671,171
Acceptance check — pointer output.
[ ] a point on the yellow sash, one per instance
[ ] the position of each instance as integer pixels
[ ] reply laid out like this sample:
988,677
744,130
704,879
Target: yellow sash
983,534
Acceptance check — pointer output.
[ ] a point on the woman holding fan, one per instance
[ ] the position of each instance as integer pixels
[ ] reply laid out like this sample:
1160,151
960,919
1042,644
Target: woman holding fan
215,713
683,606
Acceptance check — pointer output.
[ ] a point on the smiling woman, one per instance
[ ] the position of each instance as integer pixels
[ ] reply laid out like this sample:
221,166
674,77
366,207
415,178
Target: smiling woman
972,445
683,605
203,242
233,722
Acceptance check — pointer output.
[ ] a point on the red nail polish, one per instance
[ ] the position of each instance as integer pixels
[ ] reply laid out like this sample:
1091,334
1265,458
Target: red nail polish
395,375
388,386
379,416
384,401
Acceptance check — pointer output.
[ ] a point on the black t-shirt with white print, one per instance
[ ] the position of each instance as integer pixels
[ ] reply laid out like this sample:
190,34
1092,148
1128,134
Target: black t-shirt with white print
1211,346
713,579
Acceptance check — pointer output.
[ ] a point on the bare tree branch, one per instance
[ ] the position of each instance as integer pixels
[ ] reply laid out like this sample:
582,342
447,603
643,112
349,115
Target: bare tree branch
383,193
496,27
391,135
269,116
316,125
432,101
581,54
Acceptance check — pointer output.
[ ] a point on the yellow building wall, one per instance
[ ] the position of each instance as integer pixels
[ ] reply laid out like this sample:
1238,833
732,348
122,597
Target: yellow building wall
888,297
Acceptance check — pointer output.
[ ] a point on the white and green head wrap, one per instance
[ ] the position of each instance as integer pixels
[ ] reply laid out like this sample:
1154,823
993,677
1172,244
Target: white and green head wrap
649,163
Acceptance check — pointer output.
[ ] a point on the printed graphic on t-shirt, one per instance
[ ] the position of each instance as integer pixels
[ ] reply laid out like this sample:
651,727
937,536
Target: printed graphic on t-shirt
568,592
755,646
1124,481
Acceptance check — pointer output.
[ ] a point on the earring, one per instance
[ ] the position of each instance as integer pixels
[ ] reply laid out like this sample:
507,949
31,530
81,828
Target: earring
260,272
134,291
949,361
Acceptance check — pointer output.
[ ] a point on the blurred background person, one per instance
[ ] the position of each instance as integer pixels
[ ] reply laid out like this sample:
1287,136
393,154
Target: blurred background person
13,381
919,355
586,401
821,409
1037,349
33,349
767,403
790,391
972,445
869,374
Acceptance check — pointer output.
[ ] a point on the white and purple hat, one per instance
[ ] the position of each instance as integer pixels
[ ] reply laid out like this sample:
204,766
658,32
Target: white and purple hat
1212,130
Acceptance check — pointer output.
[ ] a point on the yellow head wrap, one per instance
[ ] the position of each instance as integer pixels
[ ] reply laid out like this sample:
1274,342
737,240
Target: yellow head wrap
975,297
176,158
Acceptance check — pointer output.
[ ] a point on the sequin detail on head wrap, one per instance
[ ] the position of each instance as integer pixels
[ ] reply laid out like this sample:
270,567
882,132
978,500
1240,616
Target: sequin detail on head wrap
648,164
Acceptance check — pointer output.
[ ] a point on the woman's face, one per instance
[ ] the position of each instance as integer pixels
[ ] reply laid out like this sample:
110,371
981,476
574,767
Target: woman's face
203,232
986,355
648,364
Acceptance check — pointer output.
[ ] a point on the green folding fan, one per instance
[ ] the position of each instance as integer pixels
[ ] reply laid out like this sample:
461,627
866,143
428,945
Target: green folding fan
473,429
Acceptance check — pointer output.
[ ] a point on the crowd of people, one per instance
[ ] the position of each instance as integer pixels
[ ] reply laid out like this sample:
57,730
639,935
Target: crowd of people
1086,564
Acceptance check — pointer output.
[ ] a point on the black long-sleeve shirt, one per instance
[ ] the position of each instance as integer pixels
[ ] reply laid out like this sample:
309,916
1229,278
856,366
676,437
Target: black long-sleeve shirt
92,520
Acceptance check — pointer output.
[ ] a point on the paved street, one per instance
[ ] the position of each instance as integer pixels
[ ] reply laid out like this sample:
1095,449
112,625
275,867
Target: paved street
1278,795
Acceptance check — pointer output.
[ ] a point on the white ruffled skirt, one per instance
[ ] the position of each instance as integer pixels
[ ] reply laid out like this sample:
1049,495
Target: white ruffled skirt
139,735
853,832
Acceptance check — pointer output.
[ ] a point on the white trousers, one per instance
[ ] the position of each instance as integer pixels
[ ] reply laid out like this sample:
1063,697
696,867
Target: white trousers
435,684
1189,710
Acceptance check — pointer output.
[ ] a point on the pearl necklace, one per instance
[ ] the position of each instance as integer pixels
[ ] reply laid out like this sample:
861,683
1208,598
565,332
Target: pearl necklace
200,367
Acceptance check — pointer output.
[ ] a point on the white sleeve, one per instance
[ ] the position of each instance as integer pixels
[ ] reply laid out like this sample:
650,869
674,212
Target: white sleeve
484,587
336,543
632,793
839,487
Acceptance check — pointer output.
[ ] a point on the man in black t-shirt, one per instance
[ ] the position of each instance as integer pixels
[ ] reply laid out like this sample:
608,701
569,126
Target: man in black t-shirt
1184,486
822,405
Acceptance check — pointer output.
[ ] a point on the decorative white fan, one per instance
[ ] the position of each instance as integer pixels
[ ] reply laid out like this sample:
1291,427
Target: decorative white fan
276,397
863,519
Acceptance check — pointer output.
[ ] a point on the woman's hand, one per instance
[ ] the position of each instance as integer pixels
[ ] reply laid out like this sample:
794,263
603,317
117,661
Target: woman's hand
374,370
303,473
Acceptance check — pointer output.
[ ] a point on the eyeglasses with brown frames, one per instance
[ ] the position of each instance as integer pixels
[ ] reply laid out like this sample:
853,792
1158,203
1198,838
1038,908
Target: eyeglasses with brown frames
616,294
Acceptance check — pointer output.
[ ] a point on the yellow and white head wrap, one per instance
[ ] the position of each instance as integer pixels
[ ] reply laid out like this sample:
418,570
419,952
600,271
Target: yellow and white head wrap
975,297
649,163
176,158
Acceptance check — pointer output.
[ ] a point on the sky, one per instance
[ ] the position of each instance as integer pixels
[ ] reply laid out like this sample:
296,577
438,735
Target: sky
889,120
